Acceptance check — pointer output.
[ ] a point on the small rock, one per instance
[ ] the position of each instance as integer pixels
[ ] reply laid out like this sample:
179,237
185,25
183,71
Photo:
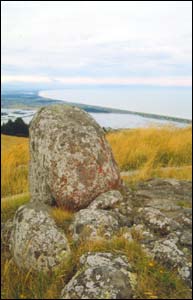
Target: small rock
146,236
186,274
91,224
6,229
186,239
156,220
167,252
101,276
107,200
185,219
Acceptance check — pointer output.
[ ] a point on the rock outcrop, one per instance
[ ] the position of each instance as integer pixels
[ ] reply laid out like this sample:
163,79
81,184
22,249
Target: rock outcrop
71,161
36,242
162,216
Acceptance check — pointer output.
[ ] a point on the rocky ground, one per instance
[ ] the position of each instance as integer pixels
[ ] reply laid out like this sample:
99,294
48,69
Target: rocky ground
157,211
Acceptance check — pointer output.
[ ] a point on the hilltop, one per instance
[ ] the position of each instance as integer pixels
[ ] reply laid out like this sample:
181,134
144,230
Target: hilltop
138,233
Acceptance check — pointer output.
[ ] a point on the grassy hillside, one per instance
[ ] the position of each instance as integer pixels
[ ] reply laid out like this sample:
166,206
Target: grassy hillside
165,152
153,152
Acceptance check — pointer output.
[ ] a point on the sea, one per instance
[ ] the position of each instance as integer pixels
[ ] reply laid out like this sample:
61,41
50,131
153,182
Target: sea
168,102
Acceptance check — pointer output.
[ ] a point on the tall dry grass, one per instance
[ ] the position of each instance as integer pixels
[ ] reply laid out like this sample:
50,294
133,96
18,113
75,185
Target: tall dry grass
145,150
14,165
152,280
149,150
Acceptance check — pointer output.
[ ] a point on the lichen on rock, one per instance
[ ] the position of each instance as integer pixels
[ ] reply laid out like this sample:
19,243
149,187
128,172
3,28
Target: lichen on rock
167,252
71,161
91,224
101,276
36,242
155,220
107,200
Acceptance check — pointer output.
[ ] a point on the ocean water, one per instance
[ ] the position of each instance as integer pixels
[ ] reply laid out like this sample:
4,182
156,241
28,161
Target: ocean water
175,102
111,120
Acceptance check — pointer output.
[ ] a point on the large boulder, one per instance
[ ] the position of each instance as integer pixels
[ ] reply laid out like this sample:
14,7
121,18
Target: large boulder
71,161
36,242
101,276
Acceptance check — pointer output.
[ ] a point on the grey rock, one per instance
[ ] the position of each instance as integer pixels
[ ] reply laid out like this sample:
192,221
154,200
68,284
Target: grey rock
107,200
146,236
6,229
166,195
36,242
186,238
185,273
155,220
101,276
91,224
167,252
185,219
71,161
163,217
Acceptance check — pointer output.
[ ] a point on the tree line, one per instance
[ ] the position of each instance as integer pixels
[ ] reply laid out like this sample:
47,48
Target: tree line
15,128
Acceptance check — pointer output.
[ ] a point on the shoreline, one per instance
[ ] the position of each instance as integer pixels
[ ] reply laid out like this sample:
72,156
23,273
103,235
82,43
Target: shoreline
122,111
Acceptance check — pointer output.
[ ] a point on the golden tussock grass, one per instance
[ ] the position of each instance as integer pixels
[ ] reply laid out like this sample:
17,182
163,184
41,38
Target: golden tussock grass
164,152
14,165
9,205
62,217
152,280
147,150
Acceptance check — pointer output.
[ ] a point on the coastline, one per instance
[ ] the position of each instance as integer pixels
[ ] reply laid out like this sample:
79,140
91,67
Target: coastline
122,111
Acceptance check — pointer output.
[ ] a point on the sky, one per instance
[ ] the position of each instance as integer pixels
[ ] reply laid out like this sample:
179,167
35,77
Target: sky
85,43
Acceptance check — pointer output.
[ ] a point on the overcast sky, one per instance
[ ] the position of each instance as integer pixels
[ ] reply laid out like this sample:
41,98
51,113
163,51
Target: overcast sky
77,42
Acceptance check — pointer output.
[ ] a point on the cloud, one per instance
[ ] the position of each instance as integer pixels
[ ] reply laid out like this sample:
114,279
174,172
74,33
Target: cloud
150,81
25,79
131,41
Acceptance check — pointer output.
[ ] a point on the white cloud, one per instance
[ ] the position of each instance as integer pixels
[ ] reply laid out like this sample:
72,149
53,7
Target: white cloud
161,81
118,37
25,78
